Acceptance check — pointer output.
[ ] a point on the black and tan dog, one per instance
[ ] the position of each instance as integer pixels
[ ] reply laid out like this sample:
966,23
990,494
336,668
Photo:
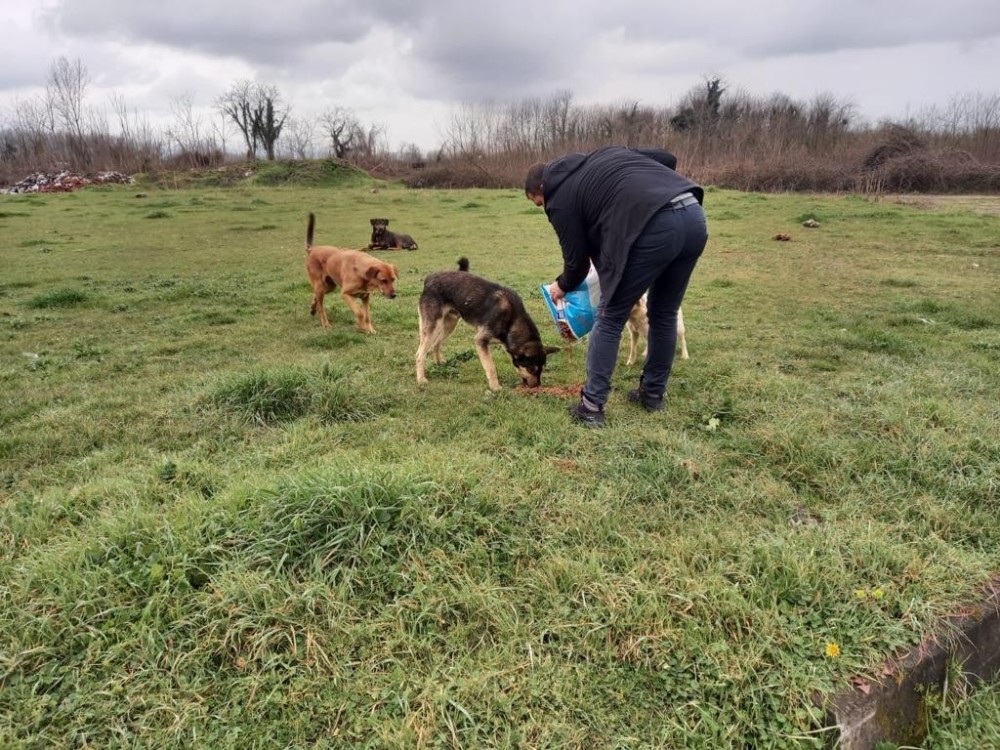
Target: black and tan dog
357,273
496,312
383,239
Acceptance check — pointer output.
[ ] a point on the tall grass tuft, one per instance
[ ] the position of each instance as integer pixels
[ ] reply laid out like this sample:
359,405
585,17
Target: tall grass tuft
57,298
278,395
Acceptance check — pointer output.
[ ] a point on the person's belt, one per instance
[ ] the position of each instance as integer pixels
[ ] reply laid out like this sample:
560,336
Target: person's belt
684,199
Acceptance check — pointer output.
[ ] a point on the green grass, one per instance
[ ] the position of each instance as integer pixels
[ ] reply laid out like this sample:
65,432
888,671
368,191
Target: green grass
222,526
966,722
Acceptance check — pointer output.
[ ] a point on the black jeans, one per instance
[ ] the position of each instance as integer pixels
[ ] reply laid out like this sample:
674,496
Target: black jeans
662,261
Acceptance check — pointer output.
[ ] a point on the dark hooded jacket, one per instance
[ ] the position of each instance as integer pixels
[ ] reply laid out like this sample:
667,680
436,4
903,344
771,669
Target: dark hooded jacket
599,203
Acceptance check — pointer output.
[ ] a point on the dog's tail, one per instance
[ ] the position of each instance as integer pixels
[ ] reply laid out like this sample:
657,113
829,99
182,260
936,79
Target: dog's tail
463,264
309,231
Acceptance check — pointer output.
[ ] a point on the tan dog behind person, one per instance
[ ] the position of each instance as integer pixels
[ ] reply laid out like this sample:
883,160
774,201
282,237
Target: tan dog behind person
357,274
496,312
638,328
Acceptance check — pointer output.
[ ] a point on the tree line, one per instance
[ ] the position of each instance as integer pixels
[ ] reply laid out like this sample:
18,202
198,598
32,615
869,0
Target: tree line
730,138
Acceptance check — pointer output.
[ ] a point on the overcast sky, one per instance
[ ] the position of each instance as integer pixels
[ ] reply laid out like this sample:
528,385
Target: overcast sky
407,64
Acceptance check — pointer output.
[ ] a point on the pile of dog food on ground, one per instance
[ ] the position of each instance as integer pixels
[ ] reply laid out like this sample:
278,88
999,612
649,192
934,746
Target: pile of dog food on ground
562,391
65,182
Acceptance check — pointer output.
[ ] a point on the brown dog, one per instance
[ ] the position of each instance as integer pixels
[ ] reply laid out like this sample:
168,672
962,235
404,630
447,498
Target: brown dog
357,274
638,327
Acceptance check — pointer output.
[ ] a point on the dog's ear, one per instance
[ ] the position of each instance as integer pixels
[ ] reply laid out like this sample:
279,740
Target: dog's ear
552,349
371,273
395,270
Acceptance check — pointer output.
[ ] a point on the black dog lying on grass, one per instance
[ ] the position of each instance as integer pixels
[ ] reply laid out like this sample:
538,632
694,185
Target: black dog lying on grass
383,239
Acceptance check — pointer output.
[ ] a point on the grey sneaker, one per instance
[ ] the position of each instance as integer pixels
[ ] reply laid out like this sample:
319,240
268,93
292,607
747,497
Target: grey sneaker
648,401
587,417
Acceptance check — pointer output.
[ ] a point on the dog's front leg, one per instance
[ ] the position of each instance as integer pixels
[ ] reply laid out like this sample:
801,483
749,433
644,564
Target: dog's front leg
359,313
486,359
366,305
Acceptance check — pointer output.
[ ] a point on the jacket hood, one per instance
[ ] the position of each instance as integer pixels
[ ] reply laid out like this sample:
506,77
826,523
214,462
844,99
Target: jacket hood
558,170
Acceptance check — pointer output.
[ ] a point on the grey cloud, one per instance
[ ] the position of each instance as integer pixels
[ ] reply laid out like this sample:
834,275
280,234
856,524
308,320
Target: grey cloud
811,26
475,51
260,31
462,49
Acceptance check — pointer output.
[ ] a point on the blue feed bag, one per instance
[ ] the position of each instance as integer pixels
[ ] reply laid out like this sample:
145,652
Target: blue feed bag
574,315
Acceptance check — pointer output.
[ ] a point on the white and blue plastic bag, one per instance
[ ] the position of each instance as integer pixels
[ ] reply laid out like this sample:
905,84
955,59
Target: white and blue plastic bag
574,315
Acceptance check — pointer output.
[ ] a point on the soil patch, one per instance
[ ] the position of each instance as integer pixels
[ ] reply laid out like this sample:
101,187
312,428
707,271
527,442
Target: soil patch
561,391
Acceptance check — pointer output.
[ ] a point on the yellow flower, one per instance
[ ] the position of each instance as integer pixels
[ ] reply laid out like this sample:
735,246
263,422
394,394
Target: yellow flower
861,593
878,593
832,650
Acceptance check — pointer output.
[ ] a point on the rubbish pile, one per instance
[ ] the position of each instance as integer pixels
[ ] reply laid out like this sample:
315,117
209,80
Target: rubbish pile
65,182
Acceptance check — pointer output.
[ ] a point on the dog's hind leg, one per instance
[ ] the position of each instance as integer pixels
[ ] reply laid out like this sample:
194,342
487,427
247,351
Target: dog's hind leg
633,342
681,331
317,306
638,328
321,287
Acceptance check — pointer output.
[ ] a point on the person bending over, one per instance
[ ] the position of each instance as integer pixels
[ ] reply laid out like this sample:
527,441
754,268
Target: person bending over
640,222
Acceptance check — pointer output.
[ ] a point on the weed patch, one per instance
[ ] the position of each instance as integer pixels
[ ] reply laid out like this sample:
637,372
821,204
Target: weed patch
58,299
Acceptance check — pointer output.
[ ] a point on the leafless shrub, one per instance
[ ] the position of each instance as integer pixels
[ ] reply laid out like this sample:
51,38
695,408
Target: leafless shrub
897,141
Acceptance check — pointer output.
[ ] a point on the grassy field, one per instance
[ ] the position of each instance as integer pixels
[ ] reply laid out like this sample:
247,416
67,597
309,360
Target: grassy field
223,527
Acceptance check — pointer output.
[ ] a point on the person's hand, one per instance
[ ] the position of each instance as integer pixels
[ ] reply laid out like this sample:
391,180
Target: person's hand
556,292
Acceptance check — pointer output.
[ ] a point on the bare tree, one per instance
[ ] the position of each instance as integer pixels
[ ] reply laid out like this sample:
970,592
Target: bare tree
298,135
342,127
269,118
221,132
35,129
66,87
557,118
186,131
237,104
140,147
369,141
409,153
126,126
472,131
258,112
